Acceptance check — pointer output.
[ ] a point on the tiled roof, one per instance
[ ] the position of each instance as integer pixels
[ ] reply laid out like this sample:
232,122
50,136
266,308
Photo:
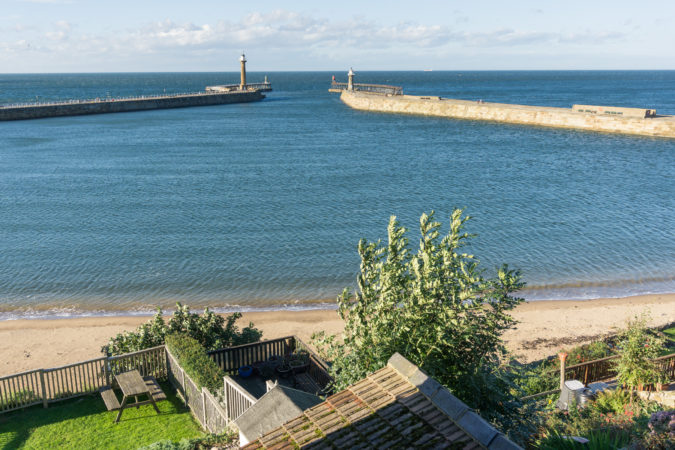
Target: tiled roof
280,404
398,406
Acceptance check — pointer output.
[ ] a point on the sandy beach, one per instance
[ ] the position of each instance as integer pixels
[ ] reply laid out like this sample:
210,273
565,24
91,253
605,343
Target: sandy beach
544,328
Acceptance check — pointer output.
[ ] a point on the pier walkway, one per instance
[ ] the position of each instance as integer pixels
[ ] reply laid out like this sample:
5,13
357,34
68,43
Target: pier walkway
36,110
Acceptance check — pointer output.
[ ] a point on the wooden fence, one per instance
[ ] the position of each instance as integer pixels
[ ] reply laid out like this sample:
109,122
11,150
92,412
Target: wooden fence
232,358
603,369
44,386
236,399
204,405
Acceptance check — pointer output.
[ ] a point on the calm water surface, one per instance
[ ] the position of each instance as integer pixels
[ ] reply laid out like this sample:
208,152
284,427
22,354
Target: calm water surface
261,205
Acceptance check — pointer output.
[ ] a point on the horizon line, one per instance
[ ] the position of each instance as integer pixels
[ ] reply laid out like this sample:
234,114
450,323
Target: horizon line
340,70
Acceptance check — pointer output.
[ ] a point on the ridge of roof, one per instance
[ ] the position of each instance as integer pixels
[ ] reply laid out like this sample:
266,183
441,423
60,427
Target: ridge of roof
468,420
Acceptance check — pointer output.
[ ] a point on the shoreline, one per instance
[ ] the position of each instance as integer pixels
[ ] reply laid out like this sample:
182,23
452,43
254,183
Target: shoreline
535,294
545,327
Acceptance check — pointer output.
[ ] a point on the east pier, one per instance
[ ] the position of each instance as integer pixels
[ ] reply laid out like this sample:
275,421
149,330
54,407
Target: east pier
607,119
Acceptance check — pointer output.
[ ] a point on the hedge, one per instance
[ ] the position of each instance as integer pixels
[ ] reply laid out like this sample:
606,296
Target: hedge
193,359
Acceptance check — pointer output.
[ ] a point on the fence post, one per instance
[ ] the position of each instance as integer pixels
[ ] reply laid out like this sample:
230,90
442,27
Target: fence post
206,424
44,388
563,358
227,403
106,371
184,390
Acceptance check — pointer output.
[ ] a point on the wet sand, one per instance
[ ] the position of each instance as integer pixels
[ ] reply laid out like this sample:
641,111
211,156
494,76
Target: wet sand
544,328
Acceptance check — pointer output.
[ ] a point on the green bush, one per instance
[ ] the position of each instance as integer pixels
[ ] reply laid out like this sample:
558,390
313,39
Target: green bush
597,440
612,401
435,307
638,347
193,359
211,330
226,439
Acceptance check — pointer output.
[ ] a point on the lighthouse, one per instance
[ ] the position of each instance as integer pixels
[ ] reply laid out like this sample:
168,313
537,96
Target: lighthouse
242,85
350,80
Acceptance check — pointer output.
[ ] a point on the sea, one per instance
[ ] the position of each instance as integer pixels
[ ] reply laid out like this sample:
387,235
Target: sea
260,206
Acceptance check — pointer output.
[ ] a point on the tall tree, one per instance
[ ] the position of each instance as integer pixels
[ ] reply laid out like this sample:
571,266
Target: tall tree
435,307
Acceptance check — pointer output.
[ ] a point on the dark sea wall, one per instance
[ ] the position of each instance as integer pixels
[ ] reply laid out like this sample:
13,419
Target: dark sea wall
123,105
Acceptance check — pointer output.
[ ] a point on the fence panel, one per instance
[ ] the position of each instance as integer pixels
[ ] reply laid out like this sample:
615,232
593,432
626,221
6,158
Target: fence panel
237,400
318,369
232,358
667,365
203,404
20,390
151,361
216,417
73,380
591,371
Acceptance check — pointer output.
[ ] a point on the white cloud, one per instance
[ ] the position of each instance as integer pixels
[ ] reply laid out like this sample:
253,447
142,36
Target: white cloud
286,32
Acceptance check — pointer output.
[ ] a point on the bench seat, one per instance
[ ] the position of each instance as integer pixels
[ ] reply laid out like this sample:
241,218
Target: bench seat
109,398
155,389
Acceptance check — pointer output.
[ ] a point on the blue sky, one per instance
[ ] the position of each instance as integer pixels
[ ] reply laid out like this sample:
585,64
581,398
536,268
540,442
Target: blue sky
208,35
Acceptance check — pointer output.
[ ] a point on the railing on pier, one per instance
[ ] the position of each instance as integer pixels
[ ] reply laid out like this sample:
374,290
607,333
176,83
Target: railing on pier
372,88
110,99
264,87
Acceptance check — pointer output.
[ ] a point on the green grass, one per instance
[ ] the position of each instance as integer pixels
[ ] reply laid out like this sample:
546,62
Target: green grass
670,341
84,423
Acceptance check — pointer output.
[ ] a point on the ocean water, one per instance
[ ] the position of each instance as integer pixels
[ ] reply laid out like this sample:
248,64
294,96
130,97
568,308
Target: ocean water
262,205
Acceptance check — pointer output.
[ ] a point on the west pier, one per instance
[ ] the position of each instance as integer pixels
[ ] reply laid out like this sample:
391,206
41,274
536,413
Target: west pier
213,95
608,119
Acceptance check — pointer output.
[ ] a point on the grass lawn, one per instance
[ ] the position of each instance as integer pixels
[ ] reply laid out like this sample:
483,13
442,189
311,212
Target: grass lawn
85,423
670,341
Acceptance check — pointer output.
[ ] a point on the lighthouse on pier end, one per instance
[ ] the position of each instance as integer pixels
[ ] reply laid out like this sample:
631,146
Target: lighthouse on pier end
242,85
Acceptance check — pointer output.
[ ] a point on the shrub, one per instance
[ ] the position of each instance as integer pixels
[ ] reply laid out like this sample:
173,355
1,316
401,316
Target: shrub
612,401
597,440
637,348
211,330
193,359
435,308
226,439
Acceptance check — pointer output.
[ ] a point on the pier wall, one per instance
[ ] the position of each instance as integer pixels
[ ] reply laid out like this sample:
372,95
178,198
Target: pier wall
663,126
126,105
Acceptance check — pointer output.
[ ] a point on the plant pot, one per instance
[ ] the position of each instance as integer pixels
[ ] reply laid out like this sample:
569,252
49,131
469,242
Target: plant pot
245,371
298,366
275,360
258,367
284,370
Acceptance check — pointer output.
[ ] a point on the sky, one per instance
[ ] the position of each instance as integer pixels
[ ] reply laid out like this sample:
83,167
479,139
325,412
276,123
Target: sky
54,36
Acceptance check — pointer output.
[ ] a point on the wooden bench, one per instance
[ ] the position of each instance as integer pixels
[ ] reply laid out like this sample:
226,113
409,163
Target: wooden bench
109,398
155,390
